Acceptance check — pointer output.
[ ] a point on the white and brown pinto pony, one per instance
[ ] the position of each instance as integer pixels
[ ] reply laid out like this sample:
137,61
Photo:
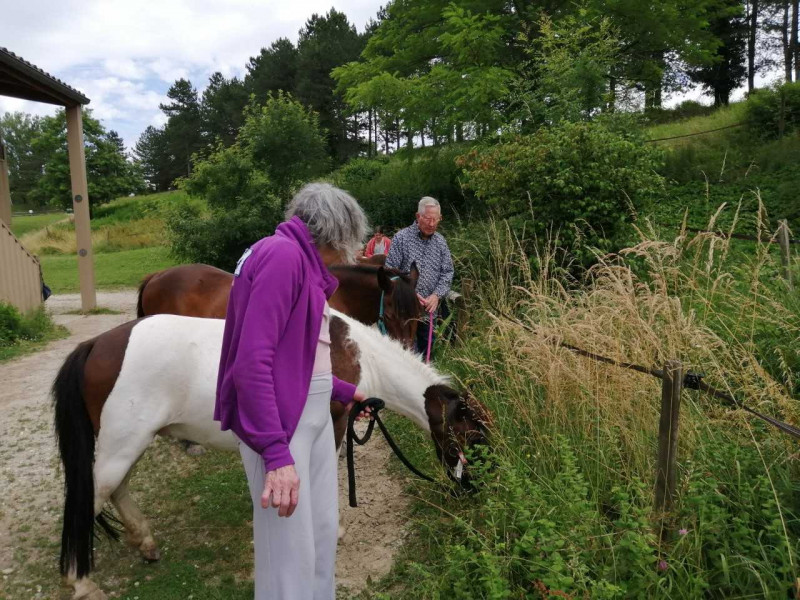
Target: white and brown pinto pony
157,376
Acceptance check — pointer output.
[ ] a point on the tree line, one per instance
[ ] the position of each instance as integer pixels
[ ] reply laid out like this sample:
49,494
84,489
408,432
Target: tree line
432,72
435,71
38,162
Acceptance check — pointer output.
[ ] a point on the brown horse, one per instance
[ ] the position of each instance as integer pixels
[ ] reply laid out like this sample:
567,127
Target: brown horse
367,292
157,376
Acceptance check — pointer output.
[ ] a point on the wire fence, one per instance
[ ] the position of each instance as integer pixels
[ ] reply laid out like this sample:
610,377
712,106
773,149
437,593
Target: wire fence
687,135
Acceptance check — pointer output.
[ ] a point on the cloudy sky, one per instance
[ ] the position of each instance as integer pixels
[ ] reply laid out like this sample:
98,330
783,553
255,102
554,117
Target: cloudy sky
125,54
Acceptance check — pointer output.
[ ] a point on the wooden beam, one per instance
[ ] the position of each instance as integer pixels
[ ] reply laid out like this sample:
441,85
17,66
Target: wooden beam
5,190
80,204
18,86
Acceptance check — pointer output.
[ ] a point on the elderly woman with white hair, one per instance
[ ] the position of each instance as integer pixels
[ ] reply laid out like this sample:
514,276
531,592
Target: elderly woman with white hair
275,387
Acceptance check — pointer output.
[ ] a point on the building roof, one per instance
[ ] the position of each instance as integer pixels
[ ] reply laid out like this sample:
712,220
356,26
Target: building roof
21,79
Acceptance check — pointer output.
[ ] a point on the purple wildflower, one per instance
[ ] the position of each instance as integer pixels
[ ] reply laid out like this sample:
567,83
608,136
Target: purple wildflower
662,565
683,531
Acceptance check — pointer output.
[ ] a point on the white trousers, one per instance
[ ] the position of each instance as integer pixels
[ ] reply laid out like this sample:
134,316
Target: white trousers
295,557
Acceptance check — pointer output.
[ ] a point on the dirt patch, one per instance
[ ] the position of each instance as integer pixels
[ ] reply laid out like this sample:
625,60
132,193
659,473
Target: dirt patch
375,530
31,484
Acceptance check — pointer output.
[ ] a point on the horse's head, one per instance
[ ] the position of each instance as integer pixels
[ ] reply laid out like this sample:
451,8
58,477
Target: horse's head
401,307
458,422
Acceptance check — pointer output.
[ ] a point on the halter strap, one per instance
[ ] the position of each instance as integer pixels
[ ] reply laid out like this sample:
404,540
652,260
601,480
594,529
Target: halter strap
381,320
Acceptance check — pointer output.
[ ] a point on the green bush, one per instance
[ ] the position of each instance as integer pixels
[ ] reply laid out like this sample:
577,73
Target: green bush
279,147
285,141
220,238
775,112
390,188
581,178
685,110
10,324
16,328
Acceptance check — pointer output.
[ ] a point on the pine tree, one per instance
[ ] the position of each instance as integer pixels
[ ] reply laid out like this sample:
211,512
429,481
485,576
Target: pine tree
222,106
273,70
325,43
728,70
184,130
153,158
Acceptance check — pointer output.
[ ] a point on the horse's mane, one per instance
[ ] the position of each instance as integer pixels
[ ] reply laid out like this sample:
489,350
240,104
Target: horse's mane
404,298
392,350
406,303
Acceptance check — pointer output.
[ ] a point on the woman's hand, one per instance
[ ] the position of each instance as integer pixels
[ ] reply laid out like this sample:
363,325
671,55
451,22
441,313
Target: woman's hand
359,396
283,485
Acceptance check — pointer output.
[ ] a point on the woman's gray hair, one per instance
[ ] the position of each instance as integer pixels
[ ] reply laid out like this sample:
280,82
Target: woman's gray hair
333,217
425,202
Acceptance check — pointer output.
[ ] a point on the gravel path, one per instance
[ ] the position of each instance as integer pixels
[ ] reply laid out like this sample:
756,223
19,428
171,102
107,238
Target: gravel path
31,485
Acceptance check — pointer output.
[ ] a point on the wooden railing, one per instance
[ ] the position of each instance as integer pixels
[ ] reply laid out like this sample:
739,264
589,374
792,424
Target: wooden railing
20,275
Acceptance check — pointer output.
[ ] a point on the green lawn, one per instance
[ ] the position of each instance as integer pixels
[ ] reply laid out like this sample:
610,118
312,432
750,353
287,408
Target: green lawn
112,269
22,225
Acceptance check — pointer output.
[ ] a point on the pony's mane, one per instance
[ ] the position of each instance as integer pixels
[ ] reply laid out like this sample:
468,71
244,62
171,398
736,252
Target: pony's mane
404,297
385,346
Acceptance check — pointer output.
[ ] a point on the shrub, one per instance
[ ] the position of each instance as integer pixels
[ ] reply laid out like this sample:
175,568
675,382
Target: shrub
582,178
15,327
773,113
285,141
242,208
279,147
390,188
220,239
685,110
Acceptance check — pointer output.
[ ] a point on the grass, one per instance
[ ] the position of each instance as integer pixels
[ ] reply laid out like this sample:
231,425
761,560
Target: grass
128,240
22,225
123,224
564,506
200,511
112,269
723,117
100,310
24,334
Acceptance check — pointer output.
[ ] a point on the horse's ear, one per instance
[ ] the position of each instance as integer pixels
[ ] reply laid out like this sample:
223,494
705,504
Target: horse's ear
384,280
413,275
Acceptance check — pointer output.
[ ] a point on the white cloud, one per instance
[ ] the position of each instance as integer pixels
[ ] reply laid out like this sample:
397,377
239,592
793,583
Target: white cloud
124,55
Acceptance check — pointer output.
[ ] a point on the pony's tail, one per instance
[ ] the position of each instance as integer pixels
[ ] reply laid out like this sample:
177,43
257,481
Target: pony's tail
75,437
142,285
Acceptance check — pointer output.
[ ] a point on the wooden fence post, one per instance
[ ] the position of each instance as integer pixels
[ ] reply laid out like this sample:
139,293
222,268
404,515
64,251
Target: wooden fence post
666,468
786,255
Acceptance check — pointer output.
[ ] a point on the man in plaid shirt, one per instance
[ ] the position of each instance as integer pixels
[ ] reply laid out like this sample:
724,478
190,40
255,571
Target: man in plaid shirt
421,244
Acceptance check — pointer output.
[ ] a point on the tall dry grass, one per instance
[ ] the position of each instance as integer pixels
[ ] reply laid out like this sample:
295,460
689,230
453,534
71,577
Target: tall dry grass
564,500
691,298
110,237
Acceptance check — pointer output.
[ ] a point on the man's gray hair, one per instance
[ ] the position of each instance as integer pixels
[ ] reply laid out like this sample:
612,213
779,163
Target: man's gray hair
425,202
333,217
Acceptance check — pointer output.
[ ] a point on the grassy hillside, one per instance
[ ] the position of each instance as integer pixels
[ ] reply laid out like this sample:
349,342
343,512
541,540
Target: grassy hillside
20,225
128,239
735,166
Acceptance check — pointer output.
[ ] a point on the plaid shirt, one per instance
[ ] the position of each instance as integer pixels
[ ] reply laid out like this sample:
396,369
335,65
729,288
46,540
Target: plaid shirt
432,256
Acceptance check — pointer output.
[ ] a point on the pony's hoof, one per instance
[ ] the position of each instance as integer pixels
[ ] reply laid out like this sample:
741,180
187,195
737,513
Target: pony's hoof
195,450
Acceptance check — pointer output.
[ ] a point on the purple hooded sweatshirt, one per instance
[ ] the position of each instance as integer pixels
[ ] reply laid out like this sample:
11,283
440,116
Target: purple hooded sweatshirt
271,334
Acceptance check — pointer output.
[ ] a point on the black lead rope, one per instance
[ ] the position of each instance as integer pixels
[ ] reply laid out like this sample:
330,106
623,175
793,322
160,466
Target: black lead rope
376,404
